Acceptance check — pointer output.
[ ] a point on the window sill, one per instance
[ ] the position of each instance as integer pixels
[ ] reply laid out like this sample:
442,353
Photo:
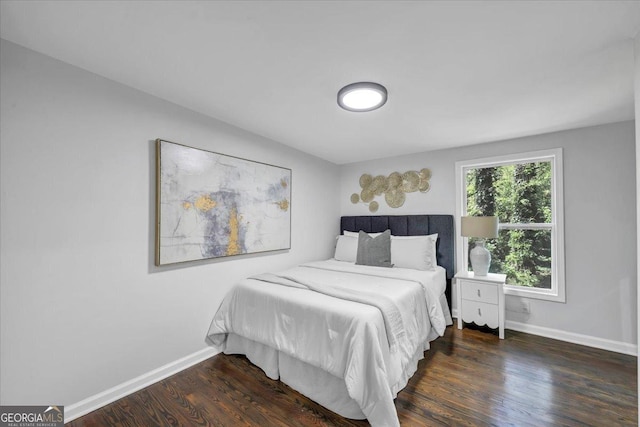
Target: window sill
533,293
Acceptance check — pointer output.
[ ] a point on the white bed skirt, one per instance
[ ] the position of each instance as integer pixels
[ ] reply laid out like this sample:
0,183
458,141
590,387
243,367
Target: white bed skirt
313,382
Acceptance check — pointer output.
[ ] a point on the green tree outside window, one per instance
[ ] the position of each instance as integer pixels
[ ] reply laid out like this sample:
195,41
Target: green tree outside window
520,196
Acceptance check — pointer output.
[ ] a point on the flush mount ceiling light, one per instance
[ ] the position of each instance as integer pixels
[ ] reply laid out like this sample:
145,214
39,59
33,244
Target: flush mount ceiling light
362,96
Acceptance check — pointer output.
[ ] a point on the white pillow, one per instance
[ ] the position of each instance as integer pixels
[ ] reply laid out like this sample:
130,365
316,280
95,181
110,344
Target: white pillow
357,233
416,252
346,248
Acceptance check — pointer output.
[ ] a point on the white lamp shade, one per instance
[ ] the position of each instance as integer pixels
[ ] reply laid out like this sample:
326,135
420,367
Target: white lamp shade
485,227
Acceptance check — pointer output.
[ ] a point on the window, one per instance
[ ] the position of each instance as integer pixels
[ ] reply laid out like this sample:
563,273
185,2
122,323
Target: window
525,192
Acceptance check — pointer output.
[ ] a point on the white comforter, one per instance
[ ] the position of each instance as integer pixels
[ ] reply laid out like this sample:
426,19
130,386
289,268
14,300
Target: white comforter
359,323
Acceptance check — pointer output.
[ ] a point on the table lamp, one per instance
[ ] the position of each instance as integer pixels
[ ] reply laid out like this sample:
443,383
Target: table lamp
482,227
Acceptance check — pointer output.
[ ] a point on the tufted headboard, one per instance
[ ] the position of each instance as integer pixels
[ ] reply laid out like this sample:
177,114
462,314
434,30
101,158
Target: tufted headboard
412,225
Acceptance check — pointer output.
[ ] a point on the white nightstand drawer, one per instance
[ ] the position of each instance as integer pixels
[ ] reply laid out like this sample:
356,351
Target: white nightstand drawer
480,313
478,291
481,300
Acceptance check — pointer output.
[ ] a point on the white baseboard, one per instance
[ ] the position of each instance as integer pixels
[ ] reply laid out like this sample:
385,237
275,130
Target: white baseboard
99,400
572,337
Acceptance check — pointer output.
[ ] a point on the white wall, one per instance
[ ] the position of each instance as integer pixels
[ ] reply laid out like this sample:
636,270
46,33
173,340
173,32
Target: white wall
600,222
82,306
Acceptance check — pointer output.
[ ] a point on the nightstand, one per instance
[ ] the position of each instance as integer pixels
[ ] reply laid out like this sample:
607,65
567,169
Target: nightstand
481,300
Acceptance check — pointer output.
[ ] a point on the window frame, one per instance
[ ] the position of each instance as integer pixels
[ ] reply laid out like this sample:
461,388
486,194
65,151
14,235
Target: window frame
557,292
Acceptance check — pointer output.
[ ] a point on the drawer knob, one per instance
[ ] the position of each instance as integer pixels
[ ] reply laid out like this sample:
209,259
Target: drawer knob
479,312
478,293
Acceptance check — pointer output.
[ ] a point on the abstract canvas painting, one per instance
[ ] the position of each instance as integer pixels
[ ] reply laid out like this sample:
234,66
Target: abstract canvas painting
210,205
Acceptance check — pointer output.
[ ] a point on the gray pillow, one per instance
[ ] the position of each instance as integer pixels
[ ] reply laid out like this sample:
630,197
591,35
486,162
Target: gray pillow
374,251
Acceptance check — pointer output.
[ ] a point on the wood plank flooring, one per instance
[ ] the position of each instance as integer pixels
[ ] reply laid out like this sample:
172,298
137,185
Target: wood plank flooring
468,378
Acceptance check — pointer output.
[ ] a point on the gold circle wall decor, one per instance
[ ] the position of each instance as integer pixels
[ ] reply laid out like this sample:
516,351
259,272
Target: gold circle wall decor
378,185
365,180
395,198
394,180
425,176
410,181
367,195
394,187
424,186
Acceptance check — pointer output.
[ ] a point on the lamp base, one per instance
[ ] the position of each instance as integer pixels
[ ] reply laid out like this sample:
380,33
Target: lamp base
480,259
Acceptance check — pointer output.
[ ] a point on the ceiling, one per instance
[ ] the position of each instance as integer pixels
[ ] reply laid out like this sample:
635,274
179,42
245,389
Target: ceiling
458,73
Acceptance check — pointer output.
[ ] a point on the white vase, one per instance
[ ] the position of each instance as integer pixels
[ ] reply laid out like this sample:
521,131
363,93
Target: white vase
480,259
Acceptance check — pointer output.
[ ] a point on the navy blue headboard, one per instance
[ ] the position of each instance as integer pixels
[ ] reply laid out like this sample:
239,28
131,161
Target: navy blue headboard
412,225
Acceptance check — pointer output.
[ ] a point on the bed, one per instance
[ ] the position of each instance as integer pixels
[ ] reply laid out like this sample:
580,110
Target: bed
347,336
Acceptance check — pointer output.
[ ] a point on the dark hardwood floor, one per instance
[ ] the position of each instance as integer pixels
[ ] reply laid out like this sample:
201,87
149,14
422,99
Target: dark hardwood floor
468,378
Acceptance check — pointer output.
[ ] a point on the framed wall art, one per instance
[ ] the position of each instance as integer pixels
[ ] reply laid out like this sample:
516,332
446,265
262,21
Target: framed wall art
209,205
